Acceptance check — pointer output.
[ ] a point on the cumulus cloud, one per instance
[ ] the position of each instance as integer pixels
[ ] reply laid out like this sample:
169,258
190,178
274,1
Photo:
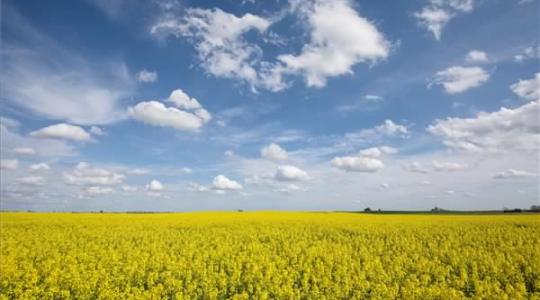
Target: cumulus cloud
39,167
437,13
458,79
24,151
31,180
157,114
512,173
274,152
448,166
357,163
377,151
290,173
11,139
223,183
339,39
528,89
84,174
391,129
367,160
9,164
188,115
155,186
504,130
477,56
183,100
147,76
218,38
63,131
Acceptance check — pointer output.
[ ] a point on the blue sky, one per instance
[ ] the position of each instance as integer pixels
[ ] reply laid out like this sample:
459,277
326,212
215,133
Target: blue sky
302,104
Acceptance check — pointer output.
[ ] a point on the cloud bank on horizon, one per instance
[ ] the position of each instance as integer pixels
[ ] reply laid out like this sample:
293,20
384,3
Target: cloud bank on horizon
298,104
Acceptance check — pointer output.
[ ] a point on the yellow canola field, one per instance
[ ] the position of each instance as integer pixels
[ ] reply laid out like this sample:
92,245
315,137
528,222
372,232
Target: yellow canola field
269,255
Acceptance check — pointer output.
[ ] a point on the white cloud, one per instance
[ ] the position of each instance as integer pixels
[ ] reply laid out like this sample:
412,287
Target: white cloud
183,100
290,173
9,164
388,129
218,37
274,152
195,187
95,130
84,174
291,188
391,129
339,39
157,114
39,167
367,160
147,76
528,53
42,76
11,139
435,16
528,89
434,19
63,131
24,151
512,173
187,170
415,167
501,131
477,56
97,190
155,186
458,79
357,163
448,166
223,183
188,115
137,171
375,152
31,180
228,153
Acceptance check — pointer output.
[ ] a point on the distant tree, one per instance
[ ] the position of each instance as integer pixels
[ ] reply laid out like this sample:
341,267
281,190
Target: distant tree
367,209
101,211
515,210
240,210
535,208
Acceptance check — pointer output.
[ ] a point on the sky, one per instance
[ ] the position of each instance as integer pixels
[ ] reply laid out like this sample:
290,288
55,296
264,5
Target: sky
165,105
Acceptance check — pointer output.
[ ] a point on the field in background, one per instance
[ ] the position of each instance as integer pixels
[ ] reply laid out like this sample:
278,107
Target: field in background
269,255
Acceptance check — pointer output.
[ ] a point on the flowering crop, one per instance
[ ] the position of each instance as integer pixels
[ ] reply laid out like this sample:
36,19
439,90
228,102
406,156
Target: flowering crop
269,255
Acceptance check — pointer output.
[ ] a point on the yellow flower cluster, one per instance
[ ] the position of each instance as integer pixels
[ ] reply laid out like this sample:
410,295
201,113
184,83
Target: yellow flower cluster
269,255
